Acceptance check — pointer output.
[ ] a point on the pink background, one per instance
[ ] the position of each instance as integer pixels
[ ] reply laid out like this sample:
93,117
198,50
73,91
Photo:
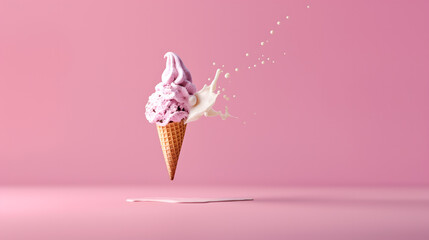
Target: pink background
347,105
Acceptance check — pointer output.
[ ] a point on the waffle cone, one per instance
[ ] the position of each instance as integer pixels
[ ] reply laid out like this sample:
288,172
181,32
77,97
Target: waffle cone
171,137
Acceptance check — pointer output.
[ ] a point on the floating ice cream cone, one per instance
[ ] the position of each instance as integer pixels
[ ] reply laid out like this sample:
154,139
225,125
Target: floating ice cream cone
169,106
171,137
176,102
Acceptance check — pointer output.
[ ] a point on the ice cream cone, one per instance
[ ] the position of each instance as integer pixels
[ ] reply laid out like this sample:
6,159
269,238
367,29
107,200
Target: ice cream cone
171,138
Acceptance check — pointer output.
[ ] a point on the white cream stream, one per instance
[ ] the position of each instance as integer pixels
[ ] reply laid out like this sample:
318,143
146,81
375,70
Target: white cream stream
202,102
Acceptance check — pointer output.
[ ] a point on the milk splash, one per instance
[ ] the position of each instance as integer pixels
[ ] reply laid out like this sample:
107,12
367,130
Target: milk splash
202,102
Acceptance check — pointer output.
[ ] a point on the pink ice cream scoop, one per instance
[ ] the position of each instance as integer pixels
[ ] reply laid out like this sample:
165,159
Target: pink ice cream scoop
170,101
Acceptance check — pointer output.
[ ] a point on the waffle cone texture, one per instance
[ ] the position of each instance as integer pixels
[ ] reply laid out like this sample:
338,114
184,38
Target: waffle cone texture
171,137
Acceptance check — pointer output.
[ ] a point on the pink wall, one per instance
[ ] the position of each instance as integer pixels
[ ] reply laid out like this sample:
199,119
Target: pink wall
348,104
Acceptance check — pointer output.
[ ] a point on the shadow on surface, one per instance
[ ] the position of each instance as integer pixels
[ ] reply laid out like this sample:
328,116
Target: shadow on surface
344,201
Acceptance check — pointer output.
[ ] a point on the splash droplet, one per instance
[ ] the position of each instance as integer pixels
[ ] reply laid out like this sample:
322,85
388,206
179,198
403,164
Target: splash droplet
287,17
234,96
226,97
273,61
278,22
248,67
284,53
254,65
247,54
272,32
236,69
227,75
262,62
214,63
223,65
268,59
208,79
308,6
262,43
244,123
259,58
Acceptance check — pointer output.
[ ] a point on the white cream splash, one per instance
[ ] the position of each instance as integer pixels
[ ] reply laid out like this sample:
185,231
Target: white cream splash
202,102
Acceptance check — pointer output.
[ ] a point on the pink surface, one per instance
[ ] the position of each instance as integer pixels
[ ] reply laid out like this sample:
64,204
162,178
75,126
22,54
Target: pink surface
347,104
276,213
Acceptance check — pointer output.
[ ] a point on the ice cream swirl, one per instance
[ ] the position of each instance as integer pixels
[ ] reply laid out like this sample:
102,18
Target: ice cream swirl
170,101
